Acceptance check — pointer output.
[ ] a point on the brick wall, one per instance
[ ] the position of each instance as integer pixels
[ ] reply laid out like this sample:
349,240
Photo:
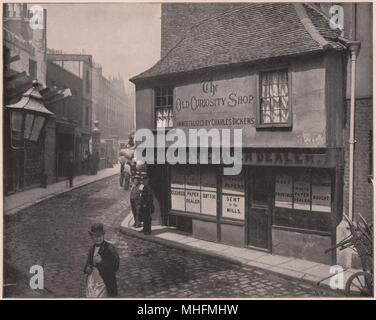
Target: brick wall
363,192
177,18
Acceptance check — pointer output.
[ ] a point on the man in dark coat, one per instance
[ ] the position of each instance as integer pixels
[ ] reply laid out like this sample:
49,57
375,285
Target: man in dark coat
135,200
103,256
146,205
70,169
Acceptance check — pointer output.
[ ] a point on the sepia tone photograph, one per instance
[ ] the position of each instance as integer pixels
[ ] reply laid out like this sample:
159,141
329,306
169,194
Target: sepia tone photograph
179,150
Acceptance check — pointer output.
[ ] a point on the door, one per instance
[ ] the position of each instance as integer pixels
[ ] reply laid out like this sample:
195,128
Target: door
260,182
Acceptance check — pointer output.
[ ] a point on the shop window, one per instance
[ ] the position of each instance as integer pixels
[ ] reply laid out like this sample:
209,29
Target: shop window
164,107
194,190
274,108
233,197
306,191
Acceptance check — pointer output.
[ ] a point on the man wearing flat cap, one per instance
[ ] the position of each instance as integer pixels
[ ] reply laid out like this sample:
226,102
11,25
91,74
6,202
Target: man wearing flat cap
101,265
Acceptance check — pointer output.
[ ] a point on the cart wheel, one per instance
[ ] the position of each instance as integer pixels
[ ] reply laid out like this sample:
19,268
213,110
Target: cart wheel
360,284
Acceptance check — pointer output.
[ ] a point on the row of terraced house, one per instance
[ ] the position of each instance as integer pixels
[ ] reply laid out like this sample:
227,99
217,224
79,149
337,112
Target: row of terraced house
68,85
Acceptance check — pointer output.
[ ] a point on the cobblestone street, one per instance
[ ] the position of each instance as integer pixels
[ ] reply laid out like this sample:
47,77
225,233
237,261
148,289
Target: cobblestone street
54,234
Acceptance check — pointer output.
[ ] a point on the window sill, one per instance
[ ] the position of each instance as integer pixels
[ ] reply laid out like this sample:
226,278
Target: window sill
273,126
162,130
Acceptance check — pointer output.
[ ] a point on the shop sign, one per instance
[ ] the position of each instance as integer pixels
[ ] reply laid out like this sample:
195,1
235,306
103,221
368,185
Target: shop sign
192,201
178,199
233,197
283,191
285,158
321,194
302,194
216,103
209,191
233,184
233,206
209,203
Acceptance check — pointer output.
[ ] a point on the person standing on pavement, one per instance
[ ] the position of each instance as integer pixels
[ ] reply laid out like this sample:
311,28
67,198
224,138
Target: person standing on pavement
135,200
146,205
70,169
101,266
122,169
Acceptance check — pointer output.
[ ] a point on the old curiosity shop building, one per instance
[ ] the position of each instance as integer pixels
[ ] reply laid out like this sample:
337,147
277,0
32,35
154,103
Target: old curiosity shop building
279,73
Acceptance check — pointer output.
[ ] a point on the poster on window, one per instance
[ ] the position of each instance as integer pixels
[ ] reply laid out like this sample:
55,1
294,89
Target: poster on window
177,177
192,177
193,201
209,191
178,199
233,207
233,184
302,193
209,203
321,194
283,191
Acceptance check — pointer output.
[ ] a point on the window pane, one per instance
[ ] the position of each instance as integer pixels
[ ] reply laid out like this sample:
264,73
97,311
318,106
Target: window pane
28,125
274,85
321,193
170,101
16,125
38,125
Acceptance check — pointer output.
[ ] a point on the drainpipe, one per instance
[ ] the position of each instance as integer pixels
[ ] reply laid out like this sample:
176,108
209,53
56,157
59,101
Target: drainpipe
354,48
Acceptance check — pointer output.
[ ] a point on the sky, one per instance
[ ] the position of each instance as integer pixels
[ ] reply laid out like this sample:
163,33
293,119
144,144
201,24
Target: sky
124,37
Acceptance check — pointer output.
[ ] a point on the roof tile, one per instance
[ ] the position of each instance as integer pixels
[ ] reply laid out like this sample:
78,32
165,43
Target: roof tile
255,31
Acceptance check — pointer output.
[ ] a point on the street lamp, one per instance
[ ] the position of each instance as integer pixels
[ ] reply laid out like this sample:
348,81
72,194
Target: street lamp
28,116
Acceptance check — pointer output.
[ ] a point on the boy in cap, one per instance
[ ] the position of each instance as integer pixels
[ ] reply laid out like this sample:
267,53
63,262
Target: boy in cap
101,266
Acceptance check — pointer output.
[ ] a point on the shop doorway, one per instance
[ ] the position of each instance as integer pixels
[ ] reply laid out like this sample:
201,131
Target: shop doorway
260,186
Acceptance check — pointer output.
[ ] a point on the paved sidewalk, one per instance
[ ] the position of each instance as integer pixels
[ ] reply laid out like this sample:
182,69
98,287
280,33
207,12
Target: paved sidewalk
21,200
288,266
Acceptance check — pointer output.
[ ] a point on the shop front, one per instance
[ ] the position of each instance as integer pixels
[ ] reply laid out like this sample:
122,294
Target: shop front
283,208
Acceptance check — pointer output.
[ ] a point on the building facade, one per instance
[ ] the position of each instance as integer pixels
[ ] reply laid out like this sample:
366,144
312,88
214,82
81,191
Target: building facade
74,71
24,61
279,73
111,108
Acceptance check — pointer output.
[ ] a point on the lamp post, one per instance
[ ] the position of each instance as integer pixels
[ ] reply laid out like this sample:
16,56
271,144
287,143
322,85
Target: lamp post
27,117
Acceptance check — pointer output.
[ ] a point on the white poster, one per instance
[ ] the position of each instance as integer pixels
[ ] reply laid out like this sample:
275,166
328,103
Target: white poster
233,206
233,184
321,194
209,203
192,201
302,194
283,191
177,199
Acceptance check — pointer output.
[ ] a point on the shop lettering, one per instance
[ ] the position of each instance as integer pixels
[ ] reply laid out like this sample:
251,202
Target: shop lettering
195,103
217,122
209,87
282,158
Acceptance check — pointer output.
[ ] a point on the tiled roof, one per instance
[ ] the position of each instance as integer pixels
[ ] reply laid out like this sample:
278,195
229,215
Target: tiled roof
253,32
